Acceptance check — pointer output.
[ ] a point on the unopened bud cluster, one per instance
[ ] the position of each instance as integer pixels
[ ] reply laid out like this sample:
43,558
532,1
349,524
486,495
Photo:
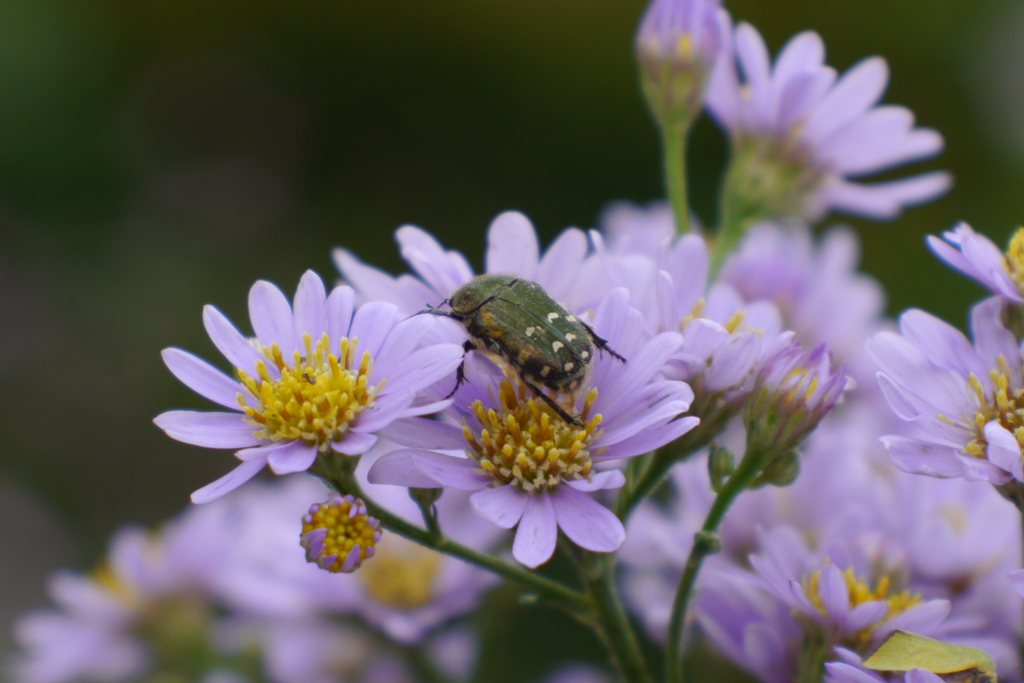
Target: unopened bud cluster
339,534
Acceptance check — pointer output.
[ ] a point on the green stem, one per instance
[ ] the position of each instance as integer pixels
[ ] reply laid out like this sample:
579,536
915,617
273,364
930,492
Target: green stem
612,622
344,480
673,144
812,659
705,543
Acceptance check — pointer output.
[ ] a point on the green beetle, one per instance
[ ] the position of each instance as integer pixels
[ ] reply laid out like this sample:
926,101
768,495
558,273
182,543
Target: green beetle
516,319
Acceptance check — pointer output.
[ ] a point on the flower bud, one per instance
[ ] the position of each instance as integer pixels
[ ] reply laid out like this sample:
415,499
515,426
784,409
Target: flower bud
721,464
339,534
793,392
676,45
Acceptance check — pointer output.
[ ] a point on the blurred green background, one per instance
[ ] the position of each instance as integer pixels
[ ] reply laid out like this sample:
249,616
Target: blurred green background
156,156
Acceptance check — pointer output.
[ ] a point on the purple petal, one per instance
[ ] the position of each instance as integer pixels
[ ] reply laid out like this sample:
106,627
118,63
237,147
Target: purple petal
372,324
354,443
835,596
921,676
648,440
271,317
1003,450
425,469
512,246
586,522
229,482
443,270
372,283
202,378
917,457
298,456
340,305
864,615
537,533
398,469
422,368
856,91
844,673
886,199
420,432
919,618
612,479
898,401
310,308
210,430
559,268
385,410
229,341
992,340
502,506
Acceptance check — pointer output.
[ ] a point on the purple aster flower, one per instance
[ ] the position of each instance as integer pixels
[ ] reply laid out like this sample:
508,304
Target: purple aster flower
976,256
530,467
961,400
849,670
315,381
677,44
800,134
843,599
564,270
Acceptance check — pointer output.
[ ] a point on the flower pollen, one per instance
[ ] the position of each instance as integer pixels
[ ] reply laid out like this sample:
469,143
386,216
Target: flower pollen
339,534
317,396
527,444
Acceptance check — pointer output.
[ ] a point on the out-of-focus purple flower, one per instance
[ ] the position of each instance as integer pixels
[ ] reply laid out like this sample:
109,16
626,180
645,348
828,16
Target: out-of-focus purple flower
816,286
530,467
849,670
96,631
976,256
842,598
315,381
962,400
564,270
677,45
800,134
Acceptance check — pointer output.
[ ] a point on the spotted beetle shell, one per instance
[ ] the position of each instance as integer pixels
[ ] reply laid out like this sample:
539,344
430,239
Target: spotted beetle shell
516,319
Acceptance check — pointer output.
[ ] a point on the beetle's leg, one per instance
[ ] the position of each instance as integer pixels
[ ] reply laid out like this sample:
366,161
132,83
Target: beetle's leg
551,402
436,310
600,343
460,373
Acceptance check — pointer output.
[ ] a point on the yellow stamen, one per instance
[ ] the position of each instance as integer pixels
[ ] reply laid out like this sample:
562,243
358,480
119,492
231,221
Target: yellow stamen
317,396
859,592
331,530
524,442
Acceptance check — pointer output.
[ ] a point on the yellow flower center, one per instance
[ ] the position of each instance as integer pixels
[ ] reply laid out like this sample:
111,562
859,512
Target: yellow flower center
860,592
1014,259
526,443
317,396
402,574
1003,405
336,527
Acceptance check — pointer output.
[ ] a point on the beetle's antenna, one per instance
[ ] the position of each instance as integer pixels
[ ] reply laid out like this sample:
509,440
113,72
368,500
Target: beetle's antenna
435,310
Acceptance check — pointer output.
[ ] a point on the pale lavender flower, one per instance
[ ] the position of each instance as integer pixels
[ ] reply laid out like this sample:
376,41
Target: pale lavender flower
96,630
849,670
960,399
837,591
564,270
677,44
807,131
320,379
534,469
578,673
977,257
